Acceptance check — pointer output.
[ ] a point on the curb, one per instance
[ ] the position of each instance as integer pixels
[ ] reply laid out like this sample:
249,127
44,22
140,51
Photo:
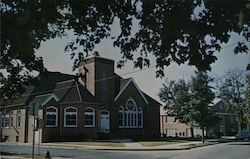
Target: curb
123,149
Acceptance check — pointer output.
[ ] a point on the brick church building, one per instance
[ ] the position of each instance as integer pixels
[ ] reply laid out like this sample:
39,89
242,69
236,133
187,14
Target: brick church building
97,102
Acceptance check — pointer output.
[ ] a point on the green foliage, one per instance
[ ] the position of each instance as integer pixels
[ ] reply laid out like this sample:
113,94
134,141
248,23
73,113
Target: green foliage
247,103
176,97
201,97
189,102
180,31
231,90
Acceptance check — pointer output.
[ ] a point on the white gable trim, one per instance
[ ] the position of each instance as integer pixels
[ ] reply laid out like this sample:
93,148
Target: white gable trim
49,98
136,86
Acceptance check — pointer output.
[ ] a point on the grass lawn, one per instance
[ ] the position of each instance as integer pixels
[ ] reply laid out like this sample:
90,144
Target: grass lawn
96,143
161,142
23,155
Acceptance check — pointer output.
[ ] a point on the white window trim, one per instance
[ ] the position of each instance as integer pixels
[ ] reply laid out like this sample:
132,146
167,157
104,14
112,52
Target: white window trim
131,115
6,119
131,80
140,112
70,113
52,113
89,113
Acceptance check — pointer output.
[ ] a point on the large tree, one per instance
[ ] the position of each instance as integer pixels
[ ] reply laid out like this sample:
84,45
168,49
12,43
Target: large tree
201,96
232,87
247,103
176,97
173,31
189,102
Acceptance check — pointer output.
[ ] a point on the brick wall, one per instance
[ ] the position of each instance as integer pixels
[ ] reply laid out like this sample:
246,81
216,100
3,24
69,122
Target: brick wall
15,133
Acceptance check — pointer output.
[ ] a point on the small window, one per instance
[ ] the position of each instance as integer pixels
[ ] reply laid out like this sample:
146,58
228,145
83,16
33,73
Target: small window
70,117
7,121
171,132
51,117
89,115
170,119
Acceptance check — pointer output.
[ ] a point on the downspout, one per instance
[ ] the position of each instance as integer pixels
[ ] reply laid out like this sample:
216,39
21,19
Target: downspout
61,121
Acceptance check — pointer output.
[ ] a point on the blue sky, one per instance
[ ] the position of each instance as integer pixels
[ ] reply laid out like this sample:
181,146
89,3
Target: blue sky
55,59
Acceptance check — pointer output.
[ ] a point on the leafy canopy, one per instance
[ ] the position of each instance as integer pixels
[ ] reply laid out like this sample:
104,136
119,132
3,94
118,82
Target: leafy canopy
180,31
176,97
232,89
189,101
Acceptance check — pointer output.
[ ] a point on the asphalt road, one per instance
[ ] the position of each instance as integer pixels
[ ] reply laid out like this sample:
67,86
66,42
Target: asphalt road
233,150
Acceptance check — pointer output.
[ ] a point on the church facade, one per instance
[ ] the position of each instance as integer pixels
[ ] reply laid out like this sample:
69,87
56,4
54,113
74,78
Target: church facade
94,104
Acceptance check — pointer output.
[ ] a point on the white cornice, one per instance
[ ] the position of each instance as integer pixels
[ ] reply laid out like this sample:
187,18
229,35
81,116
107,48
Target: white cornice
136,86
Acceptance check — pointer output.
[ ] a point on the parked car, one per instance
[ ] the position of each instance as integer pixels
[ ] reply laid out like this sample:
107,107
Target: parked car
244,134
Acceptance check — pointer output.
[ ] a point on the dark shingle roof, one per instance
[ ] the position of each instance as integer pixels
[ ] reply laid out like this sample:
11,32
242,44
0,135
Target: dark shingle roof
45,84
152,101
78,93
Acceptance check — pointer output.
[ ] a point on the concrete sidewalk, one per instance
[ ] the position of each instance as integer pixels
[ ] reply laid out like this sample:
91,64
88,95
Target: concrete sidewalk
129,145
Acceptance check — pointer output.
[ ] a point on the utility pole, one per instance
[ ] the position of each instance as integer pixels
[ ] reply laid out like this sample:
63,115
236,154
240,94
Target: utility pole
33,111
33,144
34,121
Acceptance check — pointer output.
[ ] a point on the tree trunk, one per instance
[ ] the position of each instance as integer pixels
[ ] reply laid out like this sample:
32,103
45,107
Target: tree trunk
203,138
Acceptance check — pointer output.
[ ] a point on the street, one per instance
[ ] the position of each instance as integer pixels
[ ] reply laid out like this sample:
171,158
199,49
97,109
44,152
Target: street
233,150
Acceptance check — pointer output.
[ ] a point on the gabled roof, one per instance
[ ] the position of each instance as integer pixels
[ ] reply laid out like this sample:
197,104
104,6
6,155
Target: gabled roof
43,99
151,100
216,101
124,84
45,84
73,92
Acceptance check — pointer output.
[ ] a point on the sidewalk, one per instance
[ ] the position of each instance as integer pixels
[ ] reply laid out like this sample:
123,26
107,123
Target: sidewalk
129,145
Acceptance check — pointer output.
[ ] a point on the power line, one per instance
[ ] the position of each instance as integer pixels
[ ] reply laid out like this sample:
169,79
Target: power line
111,77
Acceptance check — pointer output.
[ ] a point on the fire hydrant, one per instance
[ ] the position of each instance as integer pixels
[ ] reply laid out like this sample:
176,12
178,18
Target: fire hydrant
47,155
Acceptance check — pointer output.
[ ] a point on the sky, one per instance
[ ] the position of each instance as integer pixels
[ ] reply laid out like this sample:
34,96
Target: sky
55,59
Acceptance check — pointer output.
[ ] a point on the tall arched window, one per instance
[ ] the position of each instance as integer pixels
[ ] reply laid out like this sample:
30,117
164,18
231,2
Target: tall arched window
51,117
70,117
89,115
121,117
140,117
130,116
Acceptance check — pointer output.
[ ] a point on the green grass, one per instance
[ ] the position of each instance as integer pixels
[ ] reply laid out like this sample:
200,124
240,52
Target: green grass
22,155
96,143
161,142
